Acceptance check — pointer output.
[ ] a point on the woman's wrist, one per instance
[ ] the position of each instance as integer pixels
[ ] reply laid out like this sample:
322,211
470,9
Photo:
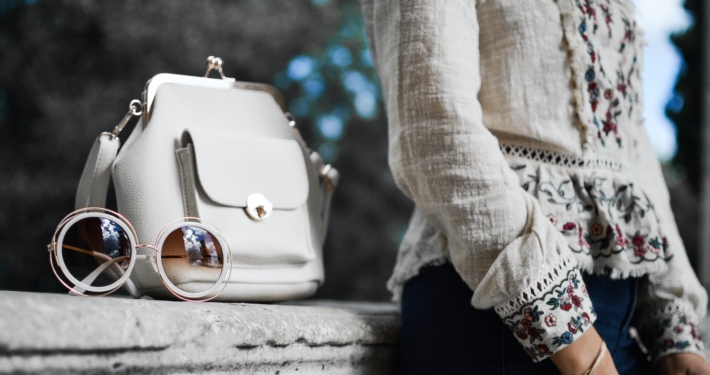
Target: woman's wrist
579,356
683,363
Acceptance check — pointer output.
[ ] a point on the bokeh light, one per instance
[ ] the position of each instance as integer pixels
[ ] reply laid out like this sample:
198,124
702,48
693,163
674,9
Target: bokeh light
331,89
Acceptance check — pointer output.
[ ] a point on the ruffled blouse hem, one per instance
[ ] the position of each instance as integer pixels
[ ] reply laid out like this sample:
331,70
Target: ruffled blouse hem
403,274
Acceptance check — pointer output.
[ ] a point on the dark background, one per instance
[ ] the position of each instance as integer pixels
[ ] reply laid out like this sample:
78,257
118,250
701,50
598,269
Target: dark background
69,68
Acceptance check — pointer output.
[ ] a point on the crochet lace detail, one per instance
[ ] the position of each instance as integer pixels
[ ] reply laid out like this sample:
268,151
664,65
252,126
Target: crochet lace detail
670,329
537,290
556,158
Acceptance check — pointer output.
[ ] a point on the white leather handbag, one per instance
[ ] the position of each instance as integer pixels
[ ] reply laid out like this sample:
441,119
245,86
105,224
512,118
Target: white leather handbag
228,153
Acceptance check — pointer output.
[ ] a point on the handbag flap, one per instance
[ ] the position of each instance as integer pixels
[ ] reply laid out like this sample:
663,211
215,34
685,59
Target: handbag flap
231,167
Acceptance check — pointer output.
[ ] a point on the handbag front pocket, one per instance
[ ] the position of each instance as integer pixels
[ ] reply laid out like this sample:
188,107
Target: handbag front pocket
220,171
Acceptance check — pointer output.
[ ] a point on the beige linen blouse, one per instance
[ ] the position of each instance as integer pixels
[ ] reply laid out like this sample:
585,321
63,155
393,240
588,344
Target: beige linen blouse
516,128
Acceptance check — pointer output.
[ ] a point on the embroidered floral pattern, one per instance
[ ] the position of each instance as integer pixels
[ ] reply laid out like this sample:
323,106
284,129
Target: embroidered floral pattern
610,66
672,329
598,215
552,321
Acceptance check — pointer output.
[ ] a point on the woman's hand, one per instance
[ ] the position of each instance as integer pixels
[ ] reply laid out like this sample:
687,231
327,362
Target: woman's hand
683,364
578,357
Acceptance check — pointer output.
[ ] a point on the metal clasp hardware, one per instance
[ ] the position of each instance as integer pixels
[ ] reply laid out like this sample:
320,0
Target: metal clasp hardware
330,184
291,119
215,63
258,207
135,108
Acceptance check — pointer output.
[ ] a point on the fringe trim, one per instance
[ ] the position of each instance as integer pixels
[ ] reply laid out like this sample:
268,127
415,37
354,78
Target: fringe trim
396,283
576,51
616,269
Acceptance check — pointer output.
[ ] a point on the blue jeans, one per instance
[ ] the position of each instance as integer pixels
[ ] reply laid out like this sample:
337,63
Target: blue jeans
442,333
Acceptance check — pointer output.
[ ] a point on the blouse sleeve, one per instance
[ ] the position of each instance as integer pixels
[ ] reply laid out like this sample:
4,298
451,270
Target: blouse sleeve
670,305
445,160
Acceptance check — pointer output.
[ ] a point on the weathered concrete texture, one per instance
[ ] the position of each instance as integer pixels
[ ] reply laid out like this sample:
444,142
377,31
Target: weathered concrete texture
49,333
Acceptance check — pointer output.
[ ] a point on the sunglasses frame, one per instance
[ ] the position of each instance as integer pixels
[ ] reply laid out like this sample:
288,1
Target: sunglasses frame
125,224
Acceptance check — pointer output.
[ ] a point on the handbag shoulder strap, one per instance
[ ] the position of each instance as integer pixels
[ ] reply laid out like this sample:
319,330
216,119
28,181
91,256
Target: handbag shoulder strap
93,185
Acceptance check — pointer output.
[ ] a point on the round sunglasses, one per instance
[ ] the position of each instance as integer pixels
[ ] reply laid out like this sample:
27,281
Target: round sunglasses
94,250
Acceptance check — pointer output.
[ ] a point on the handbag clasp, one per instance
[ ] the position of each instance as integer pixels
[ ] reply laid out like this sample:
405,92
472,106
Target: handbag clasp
215,63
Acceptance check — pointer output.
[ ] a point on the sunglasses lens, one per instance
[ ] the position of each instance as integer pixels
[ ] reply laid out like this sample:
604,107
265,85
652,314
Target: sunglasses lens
193,260
95,251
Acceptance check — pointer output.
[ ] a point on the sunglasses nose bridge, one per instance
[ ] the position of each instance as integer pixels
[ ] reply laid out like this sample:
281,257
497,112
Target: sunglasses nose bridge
152,247
151,258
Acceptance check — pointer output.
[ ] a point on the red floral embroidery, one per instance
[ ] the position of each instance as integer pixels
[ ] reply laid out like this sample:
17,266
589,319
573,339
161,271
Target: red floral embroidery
607,17
620,240
638,240
597,229
535,325
694,332
552,219
604,208
585,315
598,84
583,243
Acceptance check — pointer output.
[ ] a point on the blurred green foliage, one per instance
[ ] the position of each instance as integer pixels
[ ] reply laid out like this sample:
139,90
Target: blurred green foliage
330,87
685,106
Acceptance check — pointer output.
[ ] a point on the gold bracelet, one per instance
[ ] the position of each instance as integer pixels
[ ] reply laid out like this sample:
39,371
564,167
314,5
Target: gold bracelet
598,360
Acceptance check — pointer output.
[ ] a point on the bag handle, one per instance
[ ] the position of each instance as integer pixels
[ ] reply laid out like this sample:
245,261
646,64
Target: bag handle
93,184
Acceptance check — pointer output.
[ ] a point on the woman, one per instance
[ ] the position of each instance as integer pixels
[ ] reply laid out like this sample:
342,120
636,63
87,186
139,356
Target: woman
541,209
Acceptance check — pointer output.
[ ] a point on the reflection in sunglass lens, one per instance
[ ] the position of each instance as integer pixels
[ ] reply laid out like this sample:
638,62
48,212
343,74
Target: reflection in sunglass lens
96,251
192,259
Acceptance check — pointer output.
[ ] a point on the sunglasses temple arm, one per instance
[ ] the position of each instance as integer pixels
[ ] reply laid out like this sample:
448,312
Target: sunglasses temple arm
130,286
132,290
117,272
88,280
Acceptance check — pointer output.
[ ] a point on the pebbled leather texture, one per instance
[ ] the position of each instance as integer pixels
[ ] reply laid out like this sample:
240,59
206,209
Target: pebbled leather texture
230,167
241,144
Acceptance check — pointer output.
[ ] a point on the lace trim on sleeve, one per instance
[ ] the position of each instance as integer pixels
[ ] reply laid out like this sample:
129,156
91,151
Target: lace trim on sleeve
552,313
673,328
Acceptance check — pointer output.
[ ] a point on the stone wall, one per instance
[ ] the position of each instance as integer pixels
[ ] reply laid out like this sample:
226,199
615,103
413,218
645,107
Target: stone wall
59,334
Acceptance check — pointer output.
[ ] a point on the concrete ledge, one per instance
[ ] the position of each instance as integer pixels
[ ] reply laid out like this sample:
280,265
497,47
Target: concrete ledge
50,333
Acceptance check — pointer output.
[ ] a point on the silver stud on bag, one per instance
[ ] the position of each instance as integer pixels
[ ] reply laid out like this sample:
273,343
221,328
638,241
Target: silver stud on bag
258,207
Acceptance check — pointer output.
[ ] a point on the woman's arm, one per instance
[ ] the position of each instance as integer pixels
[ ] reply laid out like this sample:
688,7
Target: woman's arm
576,358
444,158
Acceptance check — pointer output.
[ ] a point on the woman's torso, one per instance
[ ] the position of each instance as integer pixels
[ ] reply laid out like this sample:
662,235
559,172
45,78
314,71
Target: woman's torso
561,90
